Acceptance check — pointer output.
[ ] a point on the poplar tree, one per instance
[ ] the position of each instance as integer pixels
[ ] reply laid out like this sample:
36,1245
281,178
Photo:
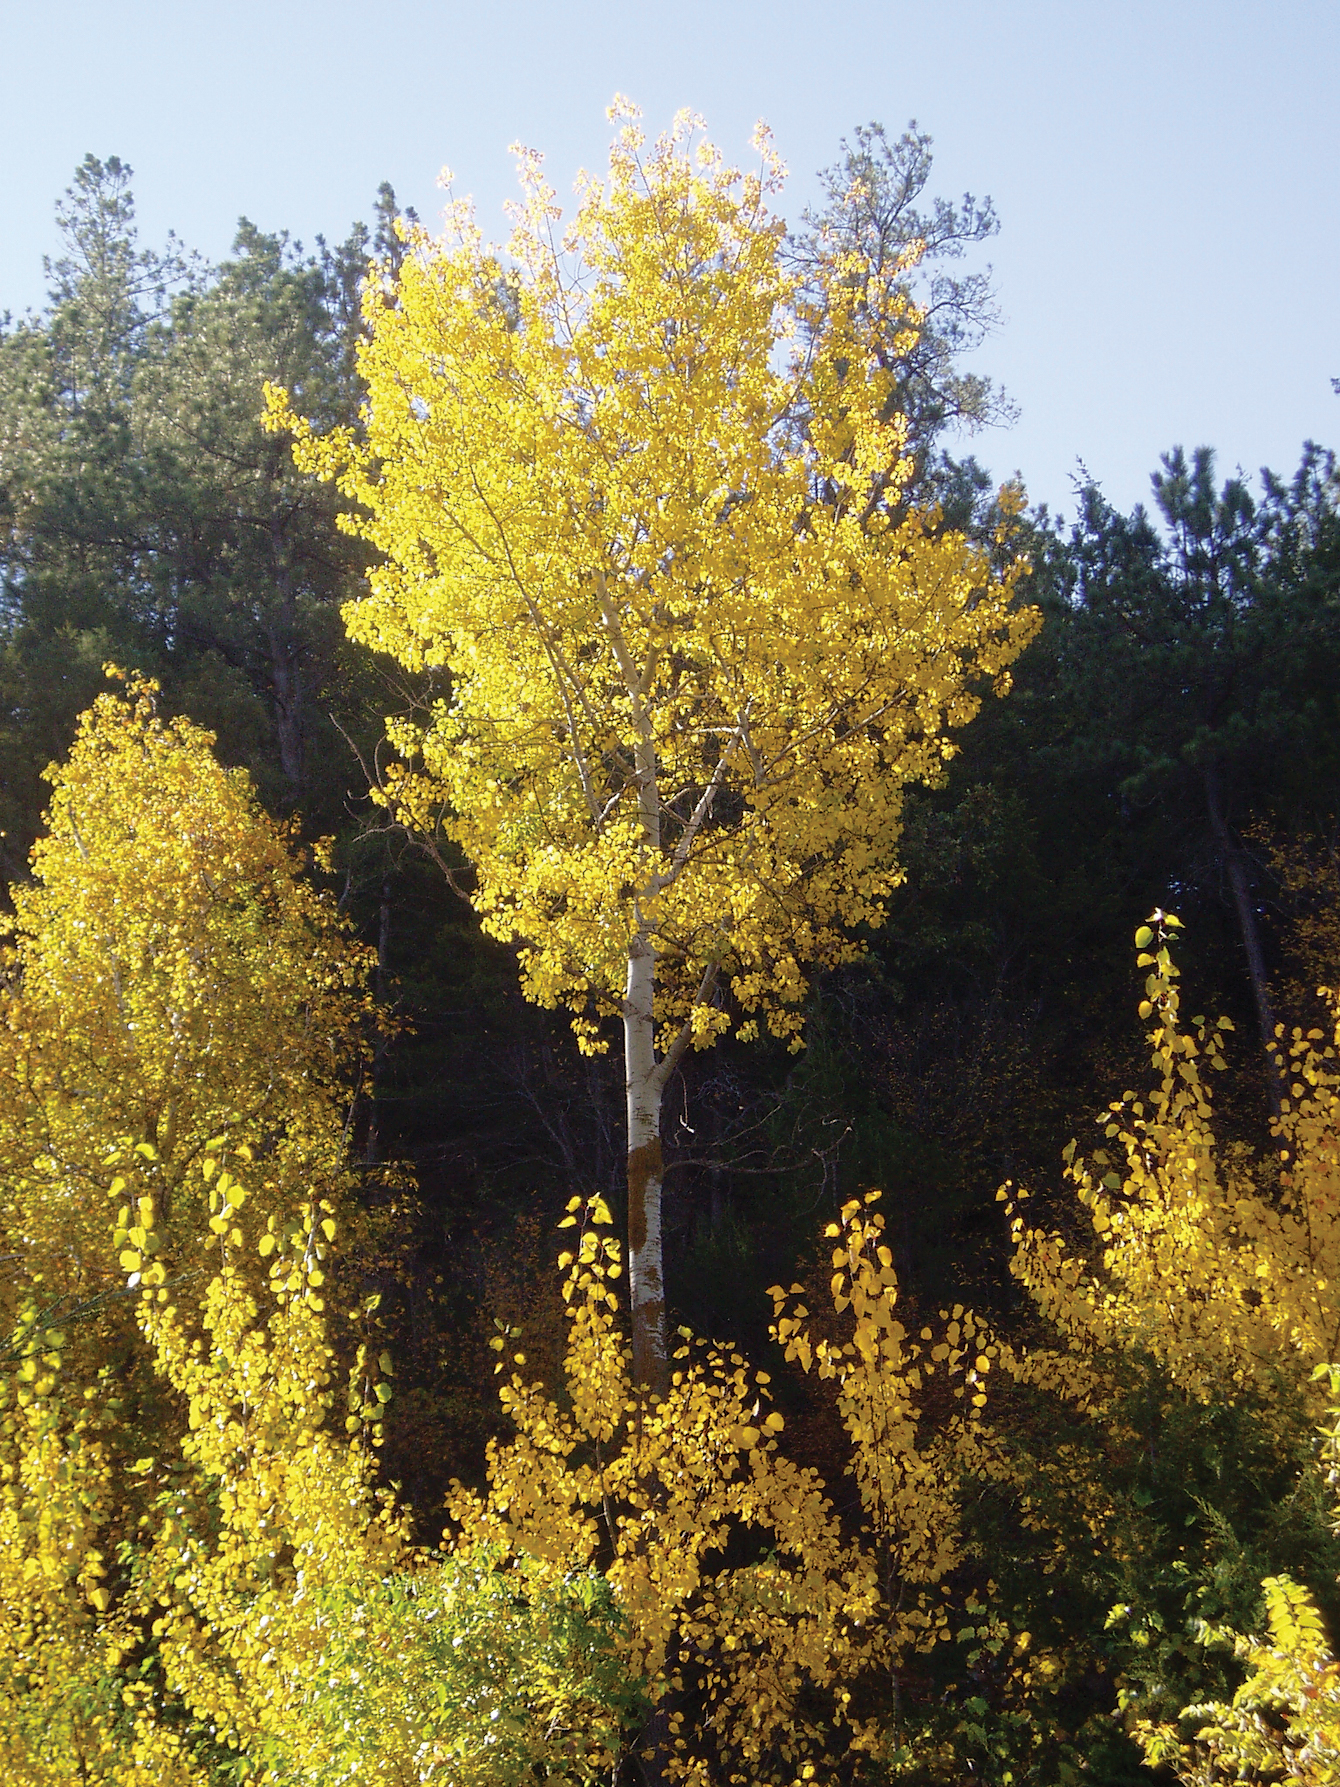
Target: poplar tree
629,484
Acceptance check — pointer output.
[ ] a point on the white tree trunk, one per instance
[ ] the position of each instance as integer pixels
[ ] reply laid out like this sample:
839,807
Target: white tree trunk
644,1086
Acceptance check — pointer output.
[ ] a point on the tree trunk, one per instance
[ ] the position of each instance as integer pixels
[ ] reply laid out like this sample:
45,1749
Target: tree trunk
1231,858
286,669
645,1169
286,681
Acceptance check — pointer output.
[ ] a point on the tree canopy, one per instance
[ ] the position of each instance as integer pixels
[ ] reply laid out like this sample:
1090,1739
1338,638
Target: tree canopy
633,505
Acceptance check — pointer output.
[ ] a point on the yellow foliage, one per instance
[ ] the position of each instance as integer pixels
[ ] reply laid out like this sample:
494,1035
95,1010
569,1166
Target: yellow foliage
274,1504
777,1654
908,1477
1223,1268
199,1574
173,985
64,1716
645,501
177,1012
652,1491
637,498
250,1512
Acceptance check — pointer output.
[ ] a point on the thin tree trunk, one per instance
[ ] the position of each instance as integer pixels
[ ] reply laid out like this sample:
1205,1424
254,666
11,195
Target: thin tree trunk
286,669
645,1084
1231,858
288,703
645,1169
645,1077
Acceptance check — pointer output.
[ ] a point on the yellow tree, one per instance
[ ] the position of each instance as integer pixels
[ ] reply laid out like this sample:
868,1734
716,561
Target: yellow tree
772,1634
1222,1266
198,1571
173,992
636,495
173,978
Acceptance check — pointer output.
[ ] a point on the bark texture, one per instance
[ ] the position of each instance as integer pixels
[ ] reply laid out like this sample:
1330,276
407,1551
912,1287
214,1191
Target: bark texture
645,1170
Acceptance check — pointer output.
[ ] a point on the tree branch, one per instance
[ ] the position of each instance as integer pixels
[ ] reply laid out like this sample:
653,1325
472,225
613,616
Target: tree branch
679,860
675,1053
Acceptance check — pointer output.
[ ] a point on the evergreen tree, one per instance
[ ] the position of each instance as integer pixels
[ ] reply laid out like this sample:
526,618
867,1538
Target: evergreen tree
145,515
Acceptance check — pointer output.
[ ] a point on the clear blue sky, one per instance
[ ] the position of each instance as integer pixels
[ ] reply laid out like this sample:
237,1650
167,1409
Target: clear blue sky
1166,174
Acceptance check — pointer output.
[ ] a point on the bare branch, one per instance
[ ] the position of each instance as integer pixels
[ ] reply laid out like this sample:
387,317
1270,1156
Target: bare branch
557,660
679,860
675,1053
